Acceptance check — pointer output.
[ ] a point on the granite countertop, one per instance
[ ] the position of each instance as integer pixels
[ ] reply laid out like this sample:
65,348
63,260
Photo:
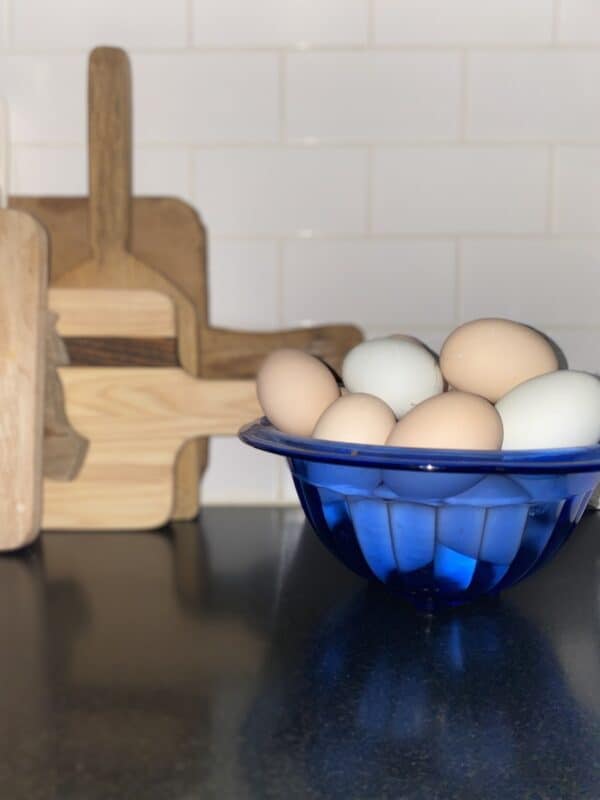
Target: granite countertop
233,657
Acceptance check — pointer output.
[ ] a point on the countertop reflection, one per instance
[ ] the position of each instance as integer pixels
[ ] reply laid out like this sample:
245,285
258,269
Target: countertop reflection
232,657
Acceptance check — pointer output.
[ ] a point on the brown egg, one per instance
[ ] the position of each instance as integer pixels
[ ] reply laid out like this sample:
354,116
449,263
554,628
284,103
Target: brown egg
294,389
358,418
491,356
453,420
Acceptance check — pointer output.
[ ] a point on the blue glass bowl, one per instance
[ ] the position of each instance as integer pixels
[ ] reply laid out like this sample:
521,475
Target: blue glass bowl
441,527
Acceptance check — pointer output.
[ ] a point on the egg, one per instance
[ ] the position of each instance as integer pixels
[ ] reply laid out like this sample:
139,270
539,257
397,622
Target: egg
294,389
561,409
400,372
490,357
453,420
357,418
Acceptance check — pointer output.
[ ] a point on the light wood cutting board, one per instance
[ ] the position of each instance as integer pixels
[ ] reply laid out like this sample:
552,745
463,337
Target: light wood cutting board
23,281
136,419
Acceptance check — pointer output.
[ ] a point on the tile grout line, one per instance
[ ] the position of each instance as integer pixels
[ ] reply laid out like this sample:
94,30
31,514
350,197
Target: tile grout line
551,195
371,23
588,46
339,144
7,21
282,97
420,238
191,182
458,278
189,20
369,204
464,96
556,11
280,277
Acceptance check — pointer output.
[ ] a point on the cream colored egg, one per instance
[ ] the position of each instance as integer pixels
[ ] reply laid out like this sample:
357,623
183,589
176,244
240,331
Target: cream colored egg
453,420
294,389
490,357
561,409
356,418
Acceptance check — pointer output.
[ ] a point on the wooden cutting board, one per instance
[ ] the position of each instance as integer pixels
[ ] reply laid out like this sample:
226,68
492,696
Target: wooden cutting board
136,419
23,280
111,263
167,234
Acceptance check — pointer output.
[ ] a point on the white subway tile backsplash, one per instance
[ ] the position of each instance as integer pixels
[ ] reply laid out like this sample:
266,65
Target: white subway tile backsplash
444,190
369,283
285,190
579,21
538,281
57,170
238,473
577,190
243,282
463,22
3,23
373,96
46,96
71,24
161,171
177,98
276,23
581,347
206,97
535,95
398,164
47,170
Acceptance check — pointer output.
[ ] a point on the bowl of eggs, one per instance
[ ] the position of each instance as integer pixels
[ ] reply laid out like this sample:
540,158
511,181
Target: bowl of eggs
443,478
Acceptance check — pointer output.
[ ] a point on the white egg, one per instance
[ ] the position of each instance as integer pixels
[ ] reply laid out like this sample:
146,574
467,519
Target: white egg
400,372
559,409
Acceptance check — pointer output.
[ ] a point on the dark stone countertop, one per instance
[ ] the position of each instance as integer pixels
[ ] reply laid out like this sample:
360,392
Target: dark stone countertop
233,657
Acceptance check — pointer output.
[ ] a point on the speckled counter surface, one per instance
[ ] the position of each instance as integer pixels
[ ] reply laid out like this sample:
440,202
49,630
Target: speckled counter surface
232,657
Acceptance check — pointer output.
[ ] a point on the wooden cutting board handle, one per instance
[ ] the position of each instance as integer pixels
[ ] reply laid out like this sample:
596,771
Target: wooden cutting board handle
239,354
109,93
23,281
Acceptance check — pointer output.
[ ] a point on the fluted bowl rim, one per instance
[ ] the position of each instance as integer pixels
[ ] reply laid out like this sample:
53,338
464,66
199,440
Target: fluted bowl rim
263,435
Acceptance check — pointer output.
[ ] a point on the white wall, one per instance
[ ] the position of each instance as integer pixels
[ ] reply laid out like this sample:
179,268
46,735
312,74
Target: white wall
403,164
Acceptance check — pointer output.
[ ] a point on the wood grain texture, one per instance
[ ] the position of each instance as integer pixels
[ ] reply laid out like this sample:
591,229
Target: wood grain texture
116,327
23,281
136,421
240,354
112,265
141,314
64,449
164,232
120,352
